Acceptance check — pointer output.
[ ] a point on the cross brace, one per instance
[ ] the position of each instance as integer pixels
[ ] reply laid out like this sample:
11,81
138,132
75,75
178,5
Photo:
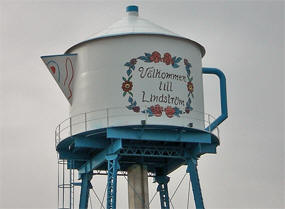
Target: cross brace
155,151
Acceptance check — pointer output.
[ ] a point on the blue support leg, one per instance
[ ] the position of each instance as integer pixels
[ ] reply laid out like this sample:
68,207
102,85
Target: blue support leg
113,166
163,191
192,169
84,193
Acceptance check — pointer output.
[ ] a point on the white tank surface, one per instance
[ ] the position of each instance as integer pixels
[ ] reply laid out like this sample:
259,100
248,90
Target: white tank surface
131,72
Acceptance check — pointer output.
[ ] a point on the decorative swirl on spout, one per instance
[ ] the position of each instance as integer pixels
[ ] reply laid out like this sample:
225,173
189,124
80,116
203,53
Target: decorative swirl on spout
72,74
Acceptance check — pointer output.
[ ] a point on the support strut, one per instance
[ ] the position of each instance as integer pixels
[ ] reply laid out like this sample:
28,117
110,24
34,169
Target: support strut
163,191
84,193
113,167
192,170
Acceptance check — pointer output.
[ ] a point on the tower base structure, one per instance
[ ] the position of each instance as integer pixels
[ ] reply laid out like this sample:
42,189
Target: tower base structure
138,150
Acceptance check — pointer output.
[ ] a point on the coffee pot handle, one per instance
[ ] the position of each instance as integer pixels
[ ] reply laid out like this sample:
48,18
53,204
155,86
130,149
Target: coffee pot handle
223,96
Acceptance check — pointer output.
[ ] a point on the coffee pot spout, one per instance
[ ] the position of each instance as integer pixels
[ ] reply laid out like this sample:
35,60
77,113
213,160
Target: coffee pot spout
62,68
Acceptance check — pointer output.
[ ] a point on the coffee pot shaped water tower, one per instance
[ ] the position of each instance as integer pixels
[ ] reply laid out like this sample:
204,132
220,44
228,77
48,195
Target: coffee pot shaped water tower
136,94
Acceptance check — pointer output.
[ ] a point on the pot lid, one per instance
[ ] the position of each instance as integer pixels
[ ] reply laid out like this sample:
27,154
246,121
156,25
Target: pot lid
132,24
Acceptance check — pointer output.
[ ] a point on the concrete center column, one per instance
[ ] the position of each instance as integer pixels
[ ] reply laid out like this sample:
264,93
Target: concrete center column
138,187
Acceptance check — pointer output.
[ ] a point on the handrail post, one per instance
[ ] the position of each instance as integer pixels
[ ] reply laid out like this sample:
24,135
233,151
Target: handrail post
209,121
218,132
58,134
70,126
55,136
145,115
85,120
107,112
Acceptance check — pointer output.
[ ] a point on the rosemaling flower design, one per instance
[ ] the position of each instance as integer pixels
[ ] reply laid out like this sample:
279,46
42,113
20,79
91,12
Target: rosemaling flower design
157,110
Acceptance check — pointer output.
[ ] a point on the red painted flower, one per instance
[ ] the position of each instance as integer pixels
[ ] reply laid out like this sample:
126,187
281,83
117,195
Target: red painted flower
187,109
156,110
190,87
52,69
136,109
169,111
167,59
155,57
133,61
127,86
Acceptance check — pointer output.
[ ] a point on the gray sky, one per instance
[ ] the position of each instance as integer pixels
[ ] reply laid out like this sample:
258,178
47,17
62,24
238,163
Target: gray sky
243,38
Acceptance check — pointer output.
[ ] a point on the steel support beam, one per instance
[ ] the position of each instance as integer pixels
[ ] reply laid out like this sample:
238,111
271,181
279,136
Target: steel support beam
153,151
163,191
84,193
113,167
99,158
192,170
170,135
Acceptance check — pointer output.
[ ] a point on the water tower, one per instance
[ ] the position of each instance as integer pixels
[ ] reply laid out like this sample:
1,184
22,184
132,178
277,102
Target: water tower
136,108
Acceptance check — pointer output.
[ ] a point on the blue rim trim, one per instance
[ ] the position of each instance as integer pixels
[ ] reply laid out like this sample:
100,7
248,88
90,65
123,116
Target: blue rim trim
58,55
132,8
223,96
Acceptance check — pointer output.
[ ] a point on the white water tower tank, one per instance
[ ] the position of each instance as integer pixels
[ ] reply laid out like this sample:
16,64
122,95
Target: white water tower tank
131,72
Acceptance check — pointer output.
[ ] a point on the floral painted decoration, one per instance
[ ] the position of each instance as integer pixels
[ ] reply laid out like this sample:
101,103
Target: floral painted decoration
157,110
156,58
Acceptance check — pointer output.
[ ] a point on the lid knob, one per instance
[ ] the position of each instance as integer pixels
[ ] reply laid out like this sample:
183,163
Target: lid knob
132,10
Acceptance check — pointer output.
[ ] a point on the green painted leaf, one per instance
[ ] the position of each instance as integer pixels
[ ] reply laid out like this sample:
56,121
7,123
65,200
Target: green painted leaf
124,94
175,65
178,59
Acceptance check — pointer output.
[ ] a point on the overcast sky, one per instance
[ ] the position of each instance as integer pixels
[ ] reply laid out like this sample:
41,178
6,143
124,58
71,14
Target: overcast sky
243,38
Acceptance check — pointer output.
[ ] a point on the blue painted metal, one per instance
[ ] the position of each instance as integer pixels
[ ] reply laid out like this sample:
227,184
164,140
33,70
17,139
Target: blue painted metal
169,133
58,55
201,149
152,151
89,142
223,95
192,169
84,193
163,190
98,159
132,8
162,148
73,156
113,166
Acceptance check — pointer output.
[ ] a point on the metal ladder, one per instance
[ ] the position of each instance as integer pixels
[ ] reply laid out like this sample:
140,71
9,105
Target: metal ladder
65,188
